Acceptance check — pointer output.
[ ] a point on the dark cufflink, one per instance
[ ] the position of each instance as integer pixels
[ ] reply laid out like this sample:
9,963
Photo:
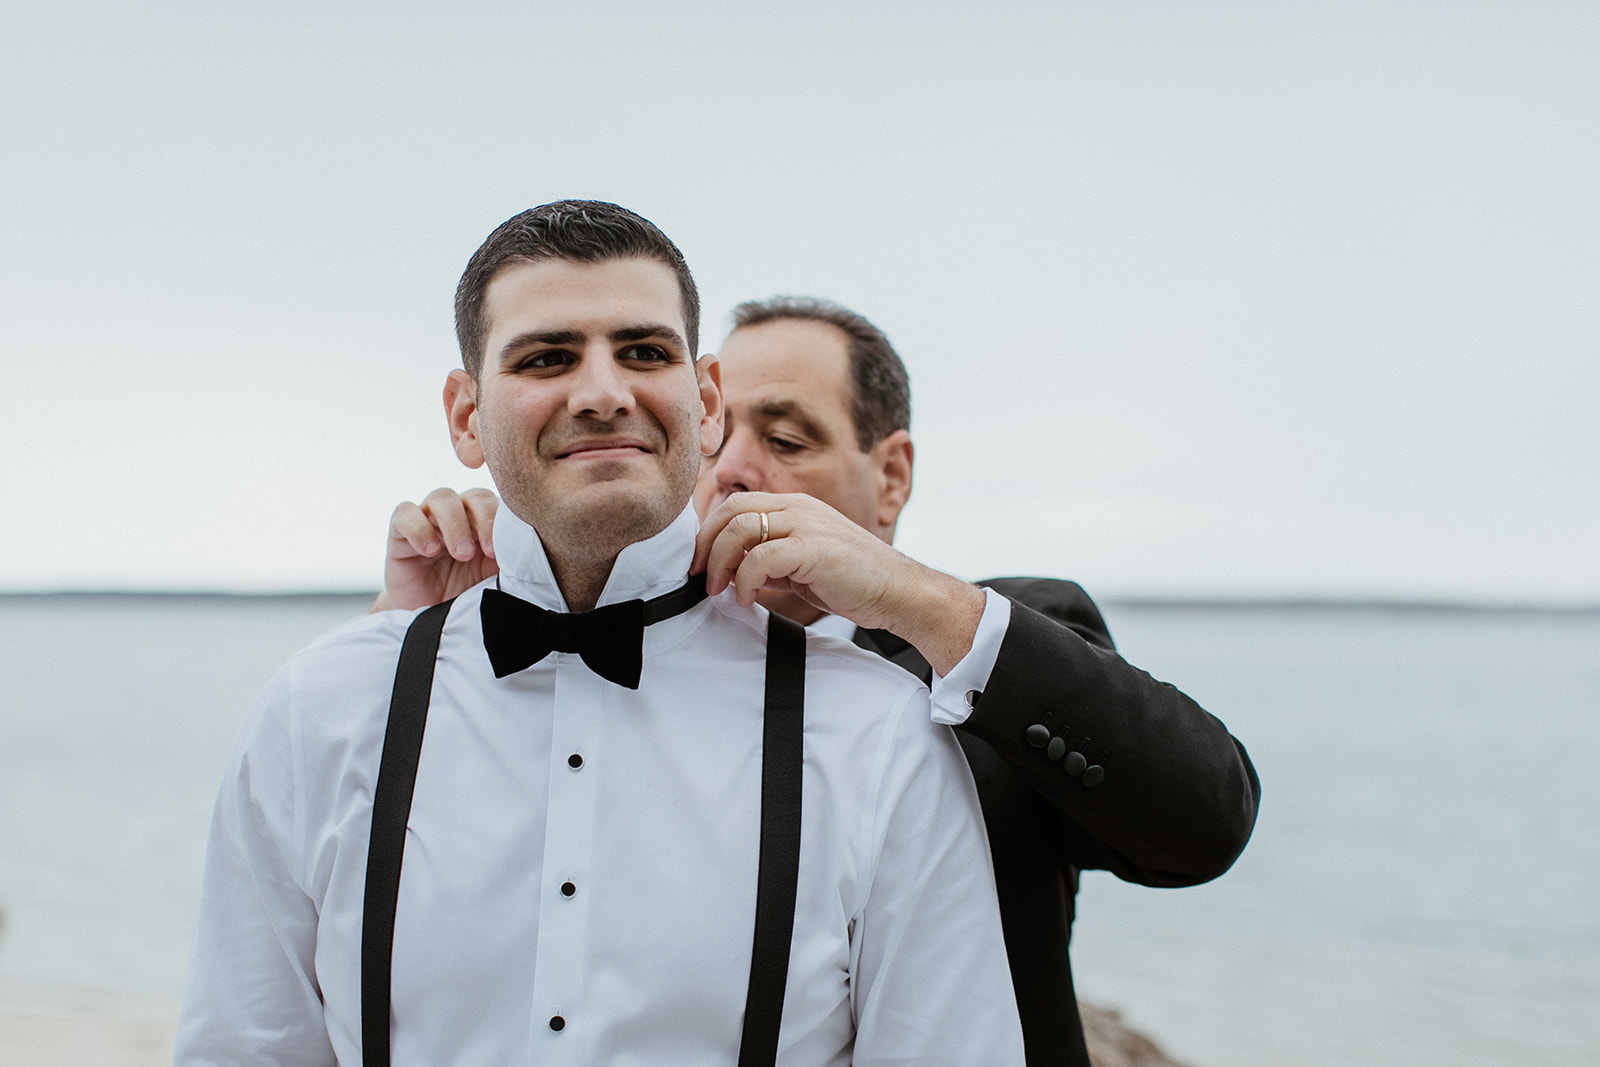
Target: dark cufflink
1074,763
1038,735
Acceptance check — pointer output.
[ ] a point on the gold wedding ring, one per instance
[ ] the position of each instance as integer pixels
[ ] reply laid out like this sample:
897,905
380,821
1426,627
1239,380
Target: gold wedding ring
766,528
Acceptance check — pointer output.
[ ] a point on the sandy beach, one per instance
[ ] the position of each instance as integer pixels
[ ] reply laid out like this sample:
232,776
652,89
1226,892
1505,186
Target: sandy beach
38,1032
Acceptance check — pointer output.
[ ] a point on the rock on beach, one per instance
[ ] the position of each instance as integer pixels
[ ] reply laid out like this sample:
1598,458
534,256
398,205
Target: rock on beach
1112,1043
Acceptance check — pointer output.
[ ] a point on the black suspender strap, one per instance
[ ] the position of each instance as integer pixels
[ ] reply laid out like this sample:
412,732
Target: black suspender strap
776,881
777,878
391,809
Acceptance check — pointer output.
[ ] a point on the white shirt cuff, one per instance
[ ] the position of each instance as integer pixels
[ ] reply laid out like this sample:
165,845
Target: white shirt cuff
950,705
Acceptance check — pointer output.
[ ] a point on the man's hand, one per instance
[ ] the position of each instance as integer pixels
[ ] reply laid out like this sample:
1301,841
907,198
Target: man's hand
438,549
816,554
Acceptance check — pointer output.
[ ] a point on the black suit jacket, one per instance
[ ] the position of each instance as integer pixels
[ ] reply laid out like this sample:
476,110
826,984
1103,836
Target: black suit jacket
1143,783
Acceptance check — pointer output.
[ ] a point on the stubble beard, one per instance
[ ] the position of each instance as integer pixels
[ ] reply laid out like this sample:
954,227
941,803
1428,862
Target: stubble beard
583,531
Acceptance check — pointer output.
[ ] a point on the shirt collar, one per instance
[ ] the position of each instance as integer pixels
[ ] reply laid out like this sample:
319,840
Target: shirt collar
834,626
643,570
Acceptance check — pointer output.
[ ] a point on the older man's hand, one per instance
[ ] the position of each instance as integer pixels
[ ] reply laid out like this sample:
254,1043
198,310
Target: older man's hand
815,553
439,548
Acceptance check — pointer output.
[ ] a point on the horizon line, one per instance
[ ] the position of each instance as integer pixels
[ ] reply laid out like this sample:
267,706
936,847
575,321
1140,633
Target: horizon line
1150,601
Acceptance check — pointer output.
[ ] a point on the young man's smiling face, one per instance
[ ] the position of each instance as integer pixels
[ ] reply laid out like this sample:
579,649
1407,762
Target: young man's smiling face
589,409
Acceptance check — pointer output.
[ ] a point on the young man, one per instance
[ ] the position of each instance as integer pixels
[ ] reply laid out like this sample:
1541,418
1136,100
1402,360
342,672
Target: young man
580,866
1082,760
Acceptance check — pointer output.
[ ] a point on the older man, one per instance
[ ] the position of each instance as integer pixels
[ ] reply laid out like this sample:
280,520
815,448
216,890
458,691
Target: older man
1082,761
594,819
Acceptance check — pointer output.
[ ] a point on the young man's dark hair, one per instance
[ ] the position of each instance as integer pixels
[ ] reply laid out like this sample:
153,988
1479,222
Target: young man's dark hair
585,231
880,401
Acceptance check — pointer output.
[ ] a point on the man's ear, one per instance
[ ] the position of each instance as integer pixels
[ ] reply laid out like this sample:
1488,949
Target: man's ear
461,411
708,372
891,472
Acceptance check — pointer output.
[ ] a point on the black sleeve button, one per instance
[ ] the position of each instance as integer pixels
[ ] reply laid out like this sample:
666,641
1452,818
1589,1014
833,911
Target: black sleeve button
1038,735
1074,763
1056,748
1093,776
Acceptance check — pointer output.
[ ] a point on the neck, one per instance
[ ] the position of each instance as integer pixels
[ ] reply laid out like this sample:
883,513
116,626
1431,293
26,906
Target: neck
581,581
577,570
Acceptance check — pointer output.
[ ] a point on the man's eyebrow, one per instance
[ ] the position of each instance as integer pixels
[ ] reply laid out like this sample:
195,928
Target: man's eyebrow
650,331
644,331
540,337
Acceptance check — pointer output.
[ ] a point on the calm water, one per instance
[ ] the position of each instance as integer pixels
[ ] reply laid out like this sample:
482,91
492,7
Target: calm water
1422,886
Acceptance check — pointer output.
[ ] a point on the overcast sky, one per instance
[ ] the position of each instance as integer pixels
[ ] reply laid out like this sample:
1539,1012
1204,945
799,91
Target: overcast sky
1256,299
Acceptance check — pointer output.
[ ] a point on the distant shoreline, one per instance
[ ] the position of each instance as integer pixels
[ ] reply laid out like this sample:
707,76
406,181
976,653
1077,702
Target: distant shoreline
313,596
1349,604
1289,604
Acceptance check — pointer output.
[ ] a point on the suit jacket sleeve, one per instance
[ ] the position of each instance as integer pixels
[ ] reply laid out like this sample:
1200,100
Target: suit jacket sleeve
1174,798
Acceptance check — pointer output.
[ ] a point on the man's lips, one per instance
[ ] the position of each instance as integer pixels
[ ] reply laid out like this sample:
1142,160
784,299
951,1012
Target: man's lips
609,448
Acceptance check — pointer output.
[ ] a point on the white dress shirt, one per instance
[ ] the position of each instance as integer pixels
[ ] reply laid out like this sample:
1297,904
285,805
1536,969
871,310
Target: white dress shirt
971,674
585,851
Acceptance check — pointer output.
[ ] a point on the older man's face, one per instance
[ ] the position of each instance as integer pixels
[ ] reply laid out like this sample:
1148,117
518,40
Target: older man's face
789,429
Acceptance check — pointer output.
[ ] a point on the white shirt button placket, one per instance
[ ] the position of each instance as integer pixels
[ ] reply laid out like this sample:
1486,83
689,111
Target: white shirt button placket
556,1035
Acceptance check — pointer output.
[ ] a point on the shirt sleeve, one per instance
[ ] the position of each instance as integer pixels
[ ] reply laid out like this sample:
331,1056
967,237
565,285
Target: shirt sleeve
950,705
930,981
251,995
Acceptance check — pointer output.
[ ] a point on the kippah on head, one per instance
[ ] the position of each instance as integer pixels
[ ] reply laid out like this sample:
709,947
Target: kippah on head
585,231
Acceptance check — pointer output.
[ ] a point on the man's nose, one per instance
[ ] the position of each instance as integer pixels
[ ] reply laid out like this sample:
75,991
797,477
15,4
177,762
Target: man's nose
739,468
599,387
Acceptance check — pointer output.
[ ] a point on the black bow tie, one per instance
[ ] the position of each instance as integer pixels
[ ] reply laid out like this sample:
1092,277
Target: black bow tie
517,634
